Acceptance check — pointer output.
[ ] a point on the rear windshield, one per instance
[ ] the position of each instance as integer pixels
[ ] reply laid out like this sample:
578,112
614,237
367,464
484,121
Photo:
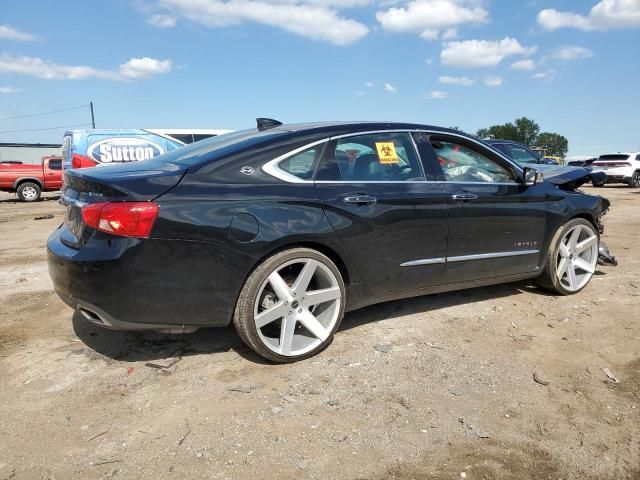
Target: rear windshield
614,157
218,147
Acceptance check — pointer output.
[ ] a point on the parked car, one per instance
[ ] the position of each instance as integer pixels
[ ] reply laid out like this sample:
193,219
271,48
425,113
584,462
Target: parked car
520,153
619,168
29,181
582,163
281,229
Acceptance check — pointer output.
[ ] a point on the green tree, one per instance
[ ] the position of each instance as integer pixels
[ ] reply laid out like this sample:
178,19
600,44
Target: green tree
527,130
553,144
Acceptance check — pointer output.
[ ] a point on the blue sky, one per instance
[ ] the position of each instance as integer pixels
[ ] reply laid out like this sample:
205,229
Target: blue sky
572,65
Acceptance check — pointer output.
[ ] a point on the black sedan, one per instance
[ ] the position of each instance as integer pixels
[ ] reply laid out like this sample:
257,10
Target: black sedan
281,229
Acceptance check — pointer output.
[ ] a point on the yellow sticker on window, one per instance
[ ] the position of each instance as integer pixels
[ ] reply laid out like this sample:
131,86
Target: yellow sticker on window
387,152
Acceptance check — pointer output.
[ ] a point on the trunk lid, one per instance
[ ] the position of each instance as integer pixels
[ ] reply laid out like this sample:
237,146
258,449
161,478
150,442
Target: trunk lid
140,181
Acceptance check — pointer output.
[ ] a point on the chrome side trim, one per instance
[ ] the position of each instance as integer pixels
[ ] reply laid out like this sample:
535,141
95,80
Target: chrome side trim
485,256
426,261
464,258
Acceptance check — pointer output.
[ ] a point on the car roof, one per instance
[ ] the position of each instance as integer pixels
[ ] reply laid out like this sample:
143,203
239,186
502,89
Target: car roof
311,127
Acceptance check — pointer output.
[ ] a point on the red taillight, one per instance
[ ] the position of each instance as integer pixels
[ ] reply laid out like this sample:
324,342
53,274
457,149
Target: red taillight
611,164
80,161
125,219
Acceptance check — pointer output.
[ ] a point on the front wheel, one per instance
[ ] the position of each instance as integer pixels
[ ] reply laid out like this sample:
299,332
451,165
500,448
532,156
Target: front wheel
635,180
291,305
572,258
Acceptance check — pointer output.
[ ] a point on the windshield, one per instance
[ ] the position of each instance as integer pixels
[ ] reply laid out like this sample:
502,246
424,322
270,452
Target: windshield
521,154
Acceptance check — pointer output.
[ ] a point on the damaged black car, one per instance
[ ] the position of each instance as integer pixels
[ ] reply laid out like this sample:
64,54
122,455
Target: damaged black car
282,228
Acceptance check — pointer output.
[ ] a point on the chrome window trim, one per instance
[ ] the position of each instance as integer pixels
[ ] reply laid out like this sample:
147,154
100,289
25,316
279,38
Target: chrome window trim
465,258
271,167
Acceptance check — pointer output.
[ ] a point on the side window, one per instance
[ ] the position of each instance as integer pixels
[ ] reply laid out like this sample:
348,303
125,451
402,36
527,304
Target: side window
638,157
376,157
55,164
463,164
301,164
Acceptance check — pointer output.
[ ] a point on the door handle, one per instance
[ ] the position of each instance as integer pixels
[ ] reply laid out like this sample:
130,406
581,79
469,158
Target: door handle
360,199
464,197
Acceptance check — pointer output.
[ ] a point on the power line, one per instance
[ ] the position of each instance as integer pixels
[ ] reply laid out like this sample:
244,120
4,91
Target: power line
48,128
45,113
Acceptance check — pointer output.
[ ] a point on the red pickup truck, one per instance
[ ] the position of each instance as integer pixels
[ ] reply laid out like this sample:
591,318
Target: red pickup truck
29,181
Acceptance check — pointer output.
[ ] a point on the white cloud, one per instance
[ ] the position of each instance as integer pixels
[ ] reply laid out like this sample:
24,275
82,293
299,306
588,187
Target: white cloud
136,68
493,81
162,21
315,19
605,15
482,53
390,88
549,74
450,34
436,95
430,17
368,84
9,33
144,67
464,81
526,64
572,53
6,90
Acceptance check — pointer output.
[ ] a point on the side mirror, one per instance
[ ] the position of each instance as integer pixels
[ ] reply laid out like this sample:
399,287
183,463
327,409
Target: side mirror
532,176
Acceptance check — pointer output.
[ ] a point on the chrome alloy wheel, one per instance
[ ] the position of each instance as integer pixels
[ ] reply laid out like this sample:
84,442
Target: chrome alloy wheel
635,179
577,258
29,193
297,307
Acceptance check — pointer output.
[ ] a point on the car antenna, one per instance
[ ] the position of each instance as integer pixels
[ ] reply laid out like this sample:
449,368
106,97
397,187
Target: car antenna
267,123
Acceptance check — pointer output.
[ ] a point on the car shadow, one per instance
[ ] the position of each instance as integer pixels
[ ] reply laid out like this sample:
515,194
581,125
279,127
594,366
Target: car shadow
146,346
47,198
429,303
140,346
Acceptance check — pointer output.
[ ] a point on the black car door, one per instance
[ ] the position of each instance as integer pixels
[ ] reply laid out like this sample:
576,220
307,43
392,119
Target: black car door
496,224
392,221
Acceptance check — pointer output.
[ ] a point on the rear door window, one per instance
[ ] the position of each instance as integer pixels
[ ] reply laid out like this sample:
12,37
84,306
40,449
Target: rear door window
374,157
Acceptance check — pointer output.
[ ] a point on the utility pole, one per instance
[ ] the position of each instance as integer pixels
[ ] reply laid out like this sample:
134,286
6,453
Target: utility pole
93,118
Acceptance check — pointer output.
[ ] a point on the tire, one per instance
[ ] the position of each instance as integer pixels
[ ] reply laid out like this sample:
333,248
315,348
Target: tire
29,192
566,255
598,185
635,180
287,326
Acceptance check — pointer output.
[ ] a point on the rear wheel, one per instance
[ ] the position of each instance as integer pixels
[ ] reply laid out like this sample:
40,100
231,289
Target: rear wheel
572,258
29,192
598,184
291,305
635,180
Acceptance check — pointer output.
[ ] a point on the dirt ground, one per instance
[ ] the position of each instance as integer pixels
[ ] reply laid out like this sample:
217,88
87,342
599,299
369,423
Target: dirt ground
437,387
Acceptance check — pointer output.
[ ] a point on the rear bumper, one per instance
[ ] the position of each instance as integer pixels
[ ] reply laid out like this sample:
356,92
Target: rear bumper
617,175
132,284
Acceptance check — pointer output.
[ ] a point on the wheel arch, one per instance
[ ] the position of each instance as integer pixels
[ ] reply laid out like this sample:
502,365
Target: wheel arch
334,256
22,180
